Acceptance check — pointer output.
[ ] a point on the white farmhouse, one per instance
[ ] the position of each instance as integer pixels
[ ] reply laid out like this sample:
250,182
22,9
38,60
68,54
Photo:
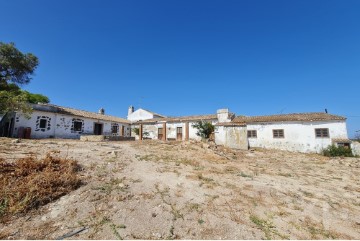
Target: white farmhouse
303,132
51,121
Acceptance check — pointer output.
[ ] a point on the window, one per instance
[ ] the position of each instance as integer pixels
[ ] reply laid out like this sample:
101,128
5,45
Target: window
345,145
278,133
322,132
114,128
78,125
252,134
43,123
179,130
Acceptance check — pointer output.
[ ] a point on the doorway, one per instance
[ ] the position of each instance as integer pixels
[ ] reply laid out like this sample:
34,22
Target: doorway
179,133
98,128
160,133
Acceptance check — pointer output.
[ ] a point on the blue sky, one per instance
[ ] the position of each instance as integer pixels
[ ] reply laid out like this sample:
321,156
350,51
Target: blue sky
193,57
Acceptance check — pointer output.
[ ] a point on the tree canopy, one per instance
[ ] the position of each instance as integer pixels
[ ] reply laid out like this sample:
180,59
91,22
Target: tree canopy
16,69
204,129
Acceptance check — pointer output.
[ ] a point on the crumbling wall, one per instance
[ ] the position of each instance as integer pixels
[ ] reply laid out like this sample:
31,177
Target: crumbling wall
232,137
355,146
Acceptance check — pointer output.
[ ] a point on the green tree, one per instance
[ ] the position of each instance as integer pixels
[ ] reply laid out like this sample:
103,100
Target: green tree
204,129
16,69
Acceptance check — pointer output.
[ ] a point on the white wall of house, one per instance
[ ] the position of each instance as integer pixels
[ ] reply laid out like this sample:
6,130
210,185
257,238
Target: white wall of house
172,128
355,146
298,136
140,114
231,136
61,126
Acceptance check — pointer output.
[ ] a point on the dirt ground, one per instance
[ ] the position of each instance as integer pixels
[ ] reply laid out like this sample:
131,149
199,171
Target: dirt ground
192,190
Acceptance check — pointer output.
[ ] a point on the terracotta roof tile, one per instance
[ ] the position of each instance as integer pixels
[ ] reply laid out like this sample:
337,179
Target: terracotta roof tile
230,124
75,112
180,118
314,116
341,140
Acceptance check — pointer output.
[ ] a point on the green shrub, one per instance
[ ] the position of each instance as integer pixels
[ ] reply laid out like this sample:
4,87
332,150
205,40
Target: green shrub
204,129
337,151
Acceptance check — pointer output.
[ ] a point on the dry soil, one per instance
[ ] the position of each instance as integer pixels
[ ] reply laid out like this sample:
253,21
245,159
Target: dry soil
192,190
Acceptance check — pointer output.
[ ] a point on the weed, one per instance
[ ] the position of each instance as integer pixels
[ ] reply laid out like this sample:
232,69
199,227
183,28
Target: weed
194,207
244,175
116,233
333,150
285,174
267,227
308,194
29,183
200,221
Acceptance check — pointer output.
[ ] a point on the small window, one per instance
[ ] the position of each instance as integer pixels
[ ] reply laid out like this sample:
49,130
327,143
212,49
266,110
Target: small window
179,130
114,129
78,125
322,132
43,123
278,133
252,134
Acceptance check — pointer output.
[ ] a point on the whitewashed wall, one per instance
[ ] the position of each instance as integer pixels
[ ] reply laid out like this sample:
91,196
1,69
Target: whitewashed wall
140,114
171,129
60,125
299,136
355,146
152,130
231,136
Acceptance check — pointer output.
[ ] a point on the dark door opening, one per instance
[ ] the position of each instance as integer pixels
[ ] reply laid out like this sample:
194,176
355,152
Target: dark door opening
179,133
98,128
123,130
160,133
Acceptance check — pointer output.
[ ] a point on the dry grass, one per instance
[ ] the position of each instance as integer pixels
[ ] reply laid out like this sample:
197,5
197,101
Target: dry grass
28,183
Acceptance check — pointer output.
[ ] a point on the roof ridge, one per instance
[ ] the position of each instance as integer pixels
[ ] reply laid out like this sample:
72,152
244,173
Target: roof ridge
79,110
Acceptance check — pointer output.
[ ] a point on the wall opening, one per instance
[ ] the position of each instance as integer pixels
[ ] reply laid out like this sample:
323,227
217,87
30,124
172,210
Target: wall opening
98,128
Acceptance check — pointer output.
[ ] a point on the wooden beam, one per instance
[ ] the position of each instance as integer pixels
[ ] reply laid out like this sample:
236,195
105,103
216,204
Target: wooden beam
164,132
141,132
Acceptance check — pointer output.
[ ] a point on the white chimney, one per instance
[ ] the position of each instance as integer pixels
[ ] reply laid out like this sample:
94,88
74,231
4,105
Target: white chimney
223,115
102,111
130,110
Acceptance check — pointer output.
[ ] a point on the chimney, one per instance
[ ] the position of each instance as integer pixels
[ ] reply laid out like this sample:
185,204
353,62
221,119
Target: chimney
223,115
130,110
102,111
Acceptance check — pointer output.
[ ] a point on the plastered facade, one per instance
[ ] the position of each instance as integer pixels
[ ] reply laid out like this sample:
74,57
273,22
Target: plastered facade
62,126
298,136
232,137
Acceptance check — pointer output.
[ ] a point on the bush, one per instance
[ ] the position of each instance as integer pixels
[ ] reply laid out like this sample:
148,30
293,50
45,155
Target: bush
337,151
204,129
29,183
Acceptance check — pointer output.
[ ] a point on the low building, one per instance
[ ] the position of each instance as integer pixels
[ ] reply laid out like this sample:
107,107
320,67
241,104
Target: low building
303,132
51,121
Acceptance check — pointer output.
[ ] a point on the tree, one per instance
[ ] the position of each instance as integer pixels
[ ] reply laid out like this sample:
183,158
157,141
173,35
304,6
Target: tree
16,69
204,128
15,66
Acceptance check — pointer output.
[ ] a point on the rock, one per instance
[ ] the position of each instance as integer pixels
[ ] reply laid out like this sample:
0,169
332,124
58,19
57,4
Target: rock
15,141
